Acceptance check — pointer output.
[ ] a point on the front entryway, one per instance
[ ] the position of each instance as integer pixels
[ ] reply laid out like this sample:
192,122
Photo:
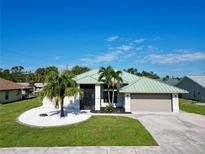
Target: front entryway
88,99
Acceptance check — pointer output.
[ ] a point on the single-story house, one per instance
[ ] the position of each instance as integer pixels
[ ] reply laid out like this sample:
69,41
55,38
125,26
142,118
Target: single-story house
138,94
9,91
196,87
27,89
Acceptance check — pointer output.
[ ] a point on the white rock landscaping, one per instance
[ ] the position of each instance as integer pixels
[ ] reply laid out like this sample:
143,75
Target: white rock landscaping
48,116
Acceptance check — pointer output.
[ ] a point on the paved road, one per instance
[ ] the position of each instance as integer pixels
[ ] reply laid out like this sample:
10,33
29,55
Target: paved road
181,133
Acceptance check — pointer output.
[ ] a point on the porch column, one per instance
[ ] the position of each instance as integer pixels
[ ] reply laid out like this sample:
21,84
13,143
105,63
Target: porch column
97,96
127,102
175,103
77,100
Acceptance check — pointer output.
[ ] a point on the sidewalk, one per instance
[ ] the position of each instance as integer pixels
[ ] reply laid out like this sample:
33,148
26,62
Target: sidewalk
81,150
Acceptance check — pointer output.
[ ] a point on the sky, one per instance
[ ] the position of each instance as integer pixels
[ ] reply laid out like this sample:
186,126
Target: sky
164,36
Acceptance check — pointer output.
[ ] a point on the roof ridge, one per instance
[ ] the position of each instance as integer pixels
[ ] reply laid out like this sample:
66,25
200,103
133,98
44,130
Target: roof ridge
163,83
86,75
130,84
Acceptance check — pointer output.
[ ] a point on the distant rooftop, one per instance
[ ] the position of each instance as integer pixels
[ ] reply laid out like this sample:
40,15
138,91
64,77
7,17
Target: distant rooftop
39,85
198,79
25,85
9,85
172,82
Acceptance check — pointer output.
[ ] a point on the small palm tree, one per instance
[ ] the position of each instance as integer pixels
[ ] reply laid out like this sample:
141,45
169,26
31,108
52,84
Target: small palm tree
117,81
105,76
58,86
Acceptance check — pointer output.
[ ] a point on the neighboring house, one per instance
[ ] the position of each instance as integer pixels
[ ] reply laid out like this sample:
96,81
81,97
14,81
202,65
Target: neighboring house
27,89
138,94
172,81
39,86
9,91
196,87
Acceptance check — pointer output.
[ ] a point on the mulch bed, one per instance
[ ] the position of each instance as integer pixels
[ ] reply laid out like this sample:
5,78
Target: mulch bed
116,110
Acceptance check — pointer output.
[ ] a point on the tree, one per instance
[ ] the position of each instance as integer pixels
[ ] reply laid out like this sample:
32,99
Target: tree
133,71
51,68
58,86
105,76
151,75
117,81
79,70
17,69
41,73
166,78
111,78
30,78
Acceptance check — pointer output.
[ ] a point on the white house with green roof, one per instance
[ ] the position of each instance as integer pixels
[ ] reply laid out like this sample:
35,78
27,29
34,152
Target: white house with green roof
138,94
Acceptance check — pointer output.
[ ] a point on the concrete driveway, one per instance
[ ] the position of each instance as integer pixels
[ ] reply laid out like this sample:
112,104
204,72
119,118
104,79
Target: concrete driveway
181,133
175,133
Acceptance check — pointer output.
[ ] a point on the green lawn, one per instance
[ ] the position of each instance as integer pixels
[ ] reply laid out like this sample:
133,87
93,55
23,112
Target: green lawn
188,106
98,130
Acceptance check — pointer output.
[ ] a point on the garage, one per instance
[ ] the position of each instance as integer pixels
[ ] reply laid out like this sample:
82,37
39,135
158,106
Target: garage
151,103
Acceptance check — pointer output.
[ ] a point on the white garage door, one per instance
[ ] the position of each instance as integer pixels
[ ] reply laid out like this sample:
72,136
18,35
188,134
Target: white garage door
151,103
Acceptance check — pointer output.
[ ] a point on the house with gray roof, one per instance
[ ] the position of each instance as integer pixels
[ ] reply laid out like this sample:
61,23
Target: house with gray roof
196,87
138,94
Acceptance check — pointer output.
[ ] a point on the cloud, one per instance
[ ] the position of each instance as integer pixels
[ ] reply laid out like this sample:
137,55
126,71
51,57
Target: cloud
125,47
112,38
156,38
151,48
108,57
57,57
175,57
124,51
141,40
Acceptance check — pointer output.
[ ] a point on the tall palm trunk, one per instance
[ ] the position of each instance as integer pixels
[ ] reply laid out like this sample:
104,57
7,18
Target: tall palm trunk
113,93
62,107
108,92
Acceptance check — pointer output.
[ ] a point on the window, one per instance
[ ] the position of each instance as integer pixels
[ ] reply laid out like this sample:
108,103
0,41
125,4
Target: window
18,92
7,95
105,96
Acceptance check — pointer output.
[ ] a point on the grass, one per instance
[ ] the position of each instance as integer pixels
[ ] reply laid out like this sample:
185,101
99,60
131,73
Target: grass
97,131
188,106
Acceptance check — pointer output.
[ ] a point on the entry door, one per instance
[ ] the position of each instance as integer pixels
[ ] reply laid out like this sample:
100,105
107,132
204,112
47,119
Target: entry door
88,100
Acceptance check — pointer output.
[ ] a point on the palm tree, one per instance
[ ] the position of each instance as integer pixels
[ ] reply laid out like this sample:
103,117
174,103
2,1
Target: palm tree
116,82
105,76
58,86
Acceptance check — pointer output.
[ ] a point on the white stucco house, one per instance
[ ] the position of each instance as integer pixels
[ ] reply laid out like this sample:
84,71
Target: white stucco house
138,94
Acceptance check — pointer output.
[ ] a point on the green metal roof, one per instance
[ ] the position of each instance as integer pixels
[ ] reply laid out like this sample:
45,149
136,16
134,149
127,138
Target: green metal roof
146,85
91,77
136,84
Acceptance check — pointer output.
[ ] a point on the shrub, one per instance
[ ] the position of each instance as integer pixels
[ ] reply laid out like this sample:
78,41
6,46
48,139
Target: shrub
109,108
